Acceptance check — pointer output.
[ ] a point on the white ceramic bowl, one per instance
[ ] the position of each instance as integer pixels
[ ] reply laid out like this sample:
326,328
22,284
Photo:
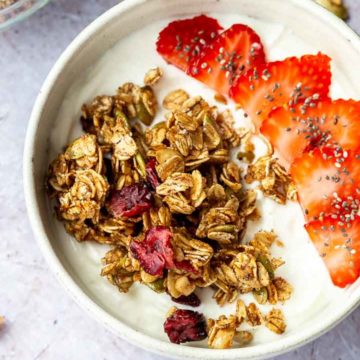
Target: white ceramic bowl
310,22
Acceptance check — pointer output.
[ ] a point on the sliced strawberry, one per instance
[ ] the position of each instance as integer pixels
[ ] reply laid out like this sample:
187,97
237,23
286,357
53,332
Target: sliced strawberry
328,122
339,247
327,180
231,54
181,40
286,134
282,83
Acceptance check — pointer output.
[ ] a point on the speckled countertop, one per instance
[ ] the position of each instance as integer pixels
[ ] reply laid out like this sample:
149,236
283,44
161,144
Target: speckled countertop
42,321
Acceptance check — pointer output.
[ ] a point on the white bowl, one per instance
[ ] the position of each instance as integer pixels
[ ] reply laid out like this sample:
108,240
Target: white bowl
308,21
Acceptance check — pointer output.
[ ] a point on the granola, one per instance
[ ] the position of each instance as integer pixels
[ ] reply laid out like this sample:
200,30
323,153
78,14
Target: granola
275,182
335,6
6,3
275,321
223,332
172,204
153,76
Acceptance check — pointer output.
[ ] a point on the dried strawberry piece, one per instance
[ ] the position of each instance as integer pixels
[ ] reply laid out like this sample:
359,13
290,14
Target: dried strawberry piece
155,252
130,201
190,300
185,325
151,175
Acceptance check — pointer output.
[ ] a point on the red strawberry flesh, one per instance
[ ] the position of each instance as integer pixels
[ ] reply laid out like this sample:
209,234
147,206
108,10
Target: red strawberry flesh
328,122
231,54
185,325
327,182
282,83
339,247
182,40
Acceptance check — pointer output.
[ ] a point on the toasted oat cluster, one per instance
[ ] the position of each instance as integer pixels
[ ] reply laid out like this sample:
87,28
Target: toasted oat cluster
275,182
172,204
224,331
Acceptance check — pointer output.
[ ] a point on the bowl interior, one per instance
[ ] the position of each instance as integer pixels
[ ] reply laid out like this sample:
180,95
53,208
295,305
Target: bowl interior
137,315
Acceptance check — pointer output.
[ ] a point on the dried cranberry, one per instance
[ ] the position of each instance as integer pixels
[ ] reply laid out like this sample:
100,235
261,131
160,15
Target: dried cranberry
185,325
151,175
152,262
130,201
191,300
154,252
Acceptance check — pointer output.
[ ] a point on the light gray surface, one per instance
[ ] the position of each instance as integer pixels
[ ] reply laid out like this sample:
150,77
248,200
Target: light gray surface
42,321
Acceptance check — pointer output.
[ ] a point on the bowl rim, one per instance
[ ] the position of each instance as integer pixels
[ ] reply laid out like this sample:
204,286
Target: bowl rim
126,332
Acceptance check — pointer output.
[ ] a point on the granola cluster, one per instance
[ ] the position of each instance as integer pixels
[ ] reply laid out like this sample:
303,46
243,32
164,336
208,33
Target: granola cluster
171,203
224,331
337,7
274,181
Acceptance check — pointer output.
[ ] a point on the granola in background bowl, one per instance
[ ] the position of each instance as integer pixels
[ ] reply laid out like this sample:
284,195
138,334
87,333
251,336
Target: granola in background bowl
6,3
13,11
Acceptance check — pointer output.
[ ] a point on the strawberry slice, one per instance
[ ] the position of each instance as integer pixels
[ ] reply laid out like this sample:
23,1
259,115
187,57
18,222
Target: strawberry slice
339,247
282,83
184,39
327,181
230,55
329,122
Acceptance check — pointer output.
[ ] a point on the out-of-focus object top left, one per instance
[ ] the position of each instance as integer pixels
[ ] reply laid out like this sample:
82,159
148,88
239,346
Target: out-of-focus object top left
13,11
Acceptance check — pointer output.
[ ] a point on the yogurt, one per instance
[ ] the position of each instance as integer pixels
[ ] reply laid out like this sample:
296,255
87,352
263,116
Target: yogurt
141,308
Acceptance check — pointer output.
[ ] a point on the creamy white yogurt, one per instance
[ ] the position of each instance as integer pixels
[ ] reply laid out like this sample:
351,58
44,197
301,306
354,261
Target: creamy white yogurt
141,308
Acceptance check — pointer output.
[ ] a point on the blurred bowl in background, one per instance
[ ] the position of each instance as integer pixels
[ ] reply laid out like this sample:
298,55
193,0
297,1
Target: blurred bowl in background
19,11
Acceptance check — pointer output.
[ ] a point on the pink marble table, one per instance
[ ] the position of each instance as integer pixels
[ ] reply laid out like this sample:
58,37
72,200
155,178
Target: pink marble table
42,321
